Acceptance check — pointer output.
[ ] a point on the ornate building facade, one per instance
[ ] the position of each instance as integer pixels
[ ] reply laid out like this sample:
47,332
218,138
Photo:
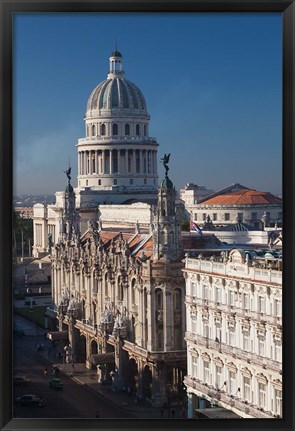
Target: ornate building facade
120,301
234,333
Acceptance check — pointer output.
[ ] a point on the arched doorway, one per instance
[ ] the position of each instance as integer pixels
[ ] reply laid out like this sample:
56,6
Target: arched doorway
81,353
132,375
93,347
147,379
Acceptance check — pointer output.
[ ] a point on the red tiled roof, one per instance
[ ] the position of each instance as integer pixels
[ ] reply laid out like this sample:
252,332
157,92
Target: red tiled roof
244,197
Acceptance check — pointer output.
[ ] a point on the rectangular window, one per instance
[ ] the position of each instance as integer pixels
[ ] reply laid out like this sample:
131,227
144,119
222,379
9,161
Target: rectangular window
217,294
261,347
278,402
214,216
205,330
232,383
262,395
204,216
194,367
246,342
231,298
231,338
246,302
219,381
254,216
195,216
247,389
226,216
277,308
206,372
261,304
240,217
278,352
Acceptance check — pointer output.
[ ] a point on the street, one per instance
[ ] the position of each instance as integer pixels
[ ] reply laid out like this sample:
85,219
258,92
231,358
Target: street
74,401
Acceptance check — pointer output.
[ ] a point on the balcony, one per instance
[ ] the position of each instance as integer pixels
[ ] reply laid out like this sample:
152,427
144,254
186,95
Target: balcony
233,352
225,400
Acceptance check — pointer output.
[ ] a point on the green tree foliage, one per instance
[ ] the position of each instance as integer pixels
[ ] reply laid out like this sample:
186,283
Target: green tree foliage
22,236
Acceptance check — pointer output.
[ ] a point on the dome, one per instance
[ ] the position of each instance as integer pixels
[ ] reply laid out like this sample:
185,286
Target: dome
117,93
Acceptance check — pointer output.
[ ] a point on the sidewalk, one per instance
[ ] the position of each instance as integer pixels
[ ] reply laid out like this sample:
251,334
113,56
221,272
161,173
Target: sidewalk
87,377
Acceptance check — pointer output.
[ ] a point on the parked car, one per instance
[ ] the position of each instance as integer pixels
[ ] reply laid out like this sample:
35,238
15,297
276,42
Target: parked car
21,380
56,383
30,400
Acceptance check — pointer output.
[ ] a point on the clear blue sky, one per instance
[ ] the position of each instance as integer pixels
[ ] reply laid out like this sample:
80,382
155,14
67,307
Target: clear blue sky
212,84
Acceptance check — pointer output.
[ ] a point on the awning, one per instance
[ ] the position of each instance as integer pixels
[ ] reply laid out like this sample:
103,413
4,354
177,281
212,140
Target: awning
102,358
57,335
216,413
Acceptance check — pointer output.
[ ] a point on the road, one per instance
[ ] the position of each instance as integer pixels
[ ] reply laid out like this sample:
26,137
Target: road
74,401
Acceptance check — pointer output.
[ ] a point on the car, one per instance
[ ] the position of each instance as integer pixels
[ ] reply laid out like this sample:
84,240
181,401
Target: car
56,384
30,400
21,381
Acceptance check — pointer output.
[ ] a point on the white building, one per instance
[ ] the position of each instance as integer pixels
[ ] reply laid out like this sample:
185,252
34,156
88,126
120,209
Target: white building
192,193
238,203
117,159
234,333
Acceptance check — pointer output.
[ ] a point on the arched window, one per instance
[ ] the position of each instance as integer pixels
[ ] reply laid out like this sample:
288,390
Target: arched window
99,182
103,129
177,299
159,299
133,291
93,130
115,129
137,130
144,130
127,129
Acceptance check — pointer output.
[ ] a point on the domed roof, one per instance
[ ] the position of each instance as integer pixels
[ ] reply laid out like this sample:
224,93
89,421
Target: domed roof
117,93
243,197
116,54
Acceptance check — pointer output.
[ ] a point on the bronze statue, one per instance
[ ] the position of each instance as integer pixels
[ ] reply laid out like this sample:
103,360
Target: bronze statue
68,173
165,161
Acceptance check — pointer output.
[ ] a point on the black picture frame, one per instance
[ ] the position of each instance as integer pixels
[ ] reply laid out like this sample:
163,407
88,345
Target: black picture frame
8,8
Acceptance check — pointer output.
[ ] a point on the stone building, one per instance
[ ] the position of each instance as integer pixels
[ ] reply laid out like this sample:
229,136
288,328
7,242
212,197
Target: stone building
238,204
119,300
234,333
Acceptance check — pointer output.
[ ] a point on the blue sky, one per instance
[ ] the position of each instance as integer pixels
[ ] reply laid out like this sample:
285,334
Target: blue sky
212,83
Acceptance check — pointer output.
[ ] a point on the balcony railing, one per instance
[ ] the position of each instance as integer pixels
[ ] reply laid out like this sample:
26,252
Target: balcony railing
233,351
225,400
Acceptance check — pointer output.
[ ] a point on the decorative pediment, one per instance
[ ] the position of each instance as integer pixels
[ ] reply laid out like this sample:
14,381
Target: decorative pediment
277,384
218,318
217,361
262,378
246,326
261,329
206,357
246,372
231,321
231,366
205,314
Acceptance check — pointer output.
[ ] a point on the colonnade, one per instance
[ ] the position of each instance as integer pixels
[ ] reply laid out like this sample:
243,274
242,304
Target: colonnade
117,161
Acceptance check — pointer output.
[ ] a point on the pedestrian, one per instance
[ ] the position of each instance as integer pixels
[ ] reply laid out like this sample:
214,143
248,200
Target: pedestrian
162,412
97,414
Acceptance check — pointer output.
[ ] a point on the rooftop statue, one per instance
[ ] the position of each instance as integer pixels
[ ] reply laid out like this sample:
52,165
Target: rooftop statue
68,173
165,161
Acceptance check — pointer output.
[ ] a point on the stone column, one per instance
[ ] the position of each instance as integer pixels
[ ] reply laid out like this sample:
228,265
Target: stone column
126,161
167,323
150,320
119,160
103,161
111,161
96,161
133,170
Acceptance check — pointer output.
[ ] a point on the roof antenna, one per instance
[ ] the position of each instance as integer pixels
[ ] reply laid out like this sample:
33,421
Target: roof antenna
116,44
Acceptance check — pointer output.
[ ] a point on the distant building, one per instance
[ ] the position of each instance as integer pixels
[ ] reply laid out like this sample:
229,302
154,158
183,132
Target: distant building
192,193
24,212
234,333
238,215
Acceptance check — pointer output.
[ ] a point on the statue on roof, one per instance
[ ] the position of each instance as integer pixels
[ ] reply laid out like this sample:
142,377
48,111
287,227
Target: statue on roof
68,173
165,161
